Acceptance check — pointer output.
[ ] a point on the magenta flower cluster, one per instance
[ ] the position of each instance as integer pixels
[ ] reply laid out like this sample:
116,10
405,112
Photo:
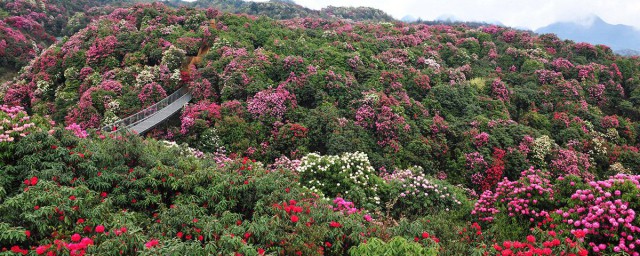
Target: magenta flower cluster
605,214
101,48
522,199
201,110
344,206
271,103
499,90
14,122
481,139
77,130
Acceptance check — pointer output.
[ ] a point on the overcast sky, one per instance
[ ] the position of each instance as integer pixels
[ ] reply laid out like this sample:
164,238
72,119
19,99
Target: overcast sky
531,14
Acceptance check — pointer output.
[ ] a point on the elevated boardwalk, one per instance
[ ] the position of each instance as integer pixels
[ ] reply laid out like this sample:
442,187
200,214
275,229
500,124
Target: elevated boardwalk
154,115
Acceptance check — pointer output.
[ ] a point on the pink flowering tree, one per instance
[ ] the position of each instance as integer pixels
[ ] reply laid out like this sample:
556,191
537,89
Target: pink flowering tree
202,110
15,123
610,122
526,199
111,85
500,91
84,114
570,162
101,48
77,130
271,103
151,93
385,122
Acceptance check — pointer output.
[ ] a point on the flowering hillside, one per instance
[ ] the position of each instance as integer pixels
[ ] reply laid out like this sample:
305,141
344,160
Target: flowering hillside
320,136
28,27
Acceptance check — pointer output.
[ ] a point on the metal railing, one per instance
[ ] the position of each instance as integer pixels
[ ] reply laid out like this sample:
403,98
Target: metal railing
144,114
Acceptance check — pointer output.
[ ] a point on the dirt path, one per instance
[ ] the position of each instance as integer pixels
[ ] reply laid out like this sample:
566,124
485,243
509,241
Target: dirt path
204,49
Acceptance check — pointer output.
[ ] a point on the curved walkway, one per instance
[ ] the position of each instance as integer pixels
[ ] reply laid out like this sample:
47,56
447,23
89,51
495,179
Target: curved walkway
154,115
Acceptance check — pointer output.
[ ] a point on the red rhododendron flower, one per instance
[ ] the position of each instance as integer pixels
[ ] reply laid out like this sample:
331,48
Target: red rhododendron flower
86,241
99,229
425,235
16,249
294,218
334,224
151,243
507,252
42,249
75,237
531,239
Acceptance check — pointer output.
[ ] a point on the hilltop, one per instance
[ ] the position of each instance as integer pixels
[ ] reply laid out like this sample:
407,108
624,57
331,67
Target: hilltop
278,9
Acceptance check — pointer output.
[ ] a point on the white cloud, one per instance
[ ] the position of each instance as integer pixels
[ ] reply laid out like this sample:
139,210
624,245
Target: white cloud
517,13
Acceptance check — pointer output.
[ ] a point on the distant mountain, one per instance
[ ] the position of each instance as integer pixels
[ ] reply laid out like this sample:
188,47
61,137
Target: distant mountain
408,19
628,52
594,30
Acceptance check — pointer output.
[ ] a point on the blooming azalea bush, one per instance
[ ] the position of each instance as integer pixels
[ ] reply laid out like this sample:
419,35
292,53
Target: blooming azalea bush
16,124
349,175
413,194
516,205
542,243
599,215
602,213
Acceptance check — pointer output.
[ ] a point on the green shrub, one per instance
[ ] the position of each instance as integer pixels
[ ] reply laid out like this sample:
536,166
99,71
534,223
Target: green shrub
396,246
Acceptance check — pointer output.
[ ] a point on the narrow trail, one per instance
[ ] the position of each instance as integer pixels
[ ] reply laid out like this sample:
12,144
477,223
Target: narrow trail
202,51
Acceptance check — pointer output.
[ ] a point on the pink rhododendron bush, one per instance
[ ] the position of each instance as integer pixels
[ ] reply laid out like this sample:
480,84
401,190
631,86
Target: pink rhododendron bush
15,124
599,215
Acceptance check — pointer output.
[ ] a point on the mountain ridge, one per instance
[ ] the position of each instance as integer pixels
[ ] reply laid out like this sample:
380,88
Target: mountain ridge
617,36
